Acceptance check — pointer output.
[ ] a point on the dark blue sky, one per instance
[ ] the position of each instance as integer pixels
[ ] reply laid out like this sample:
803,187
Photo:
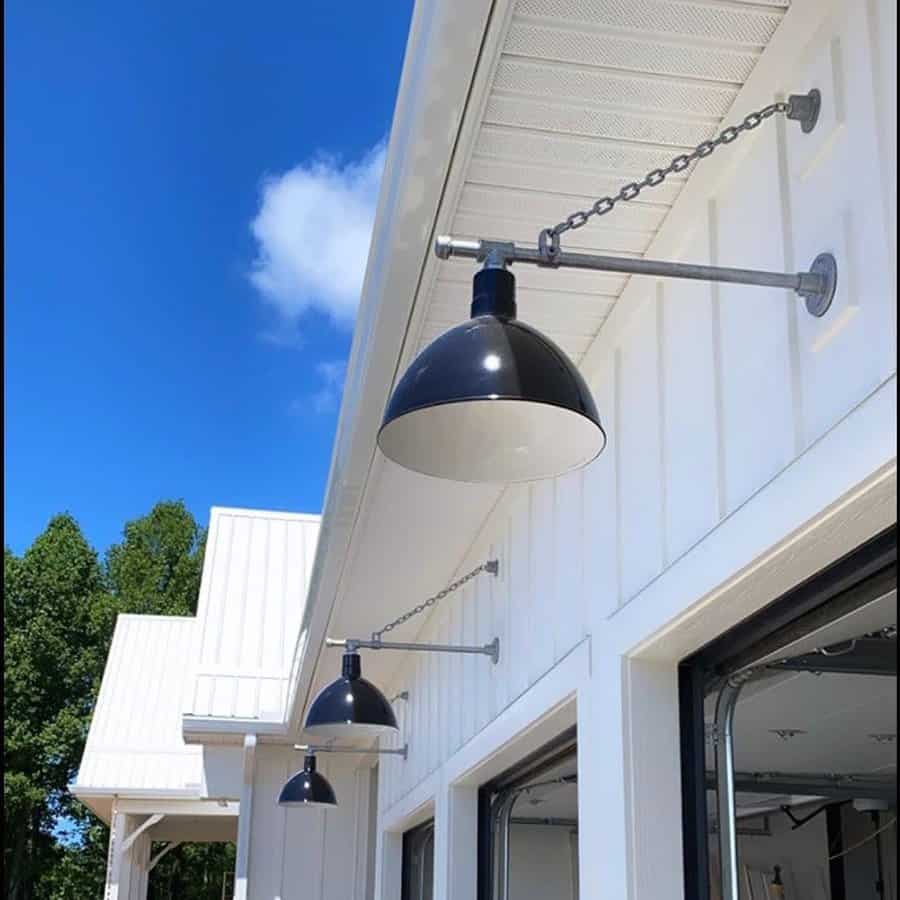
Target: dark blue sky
141,361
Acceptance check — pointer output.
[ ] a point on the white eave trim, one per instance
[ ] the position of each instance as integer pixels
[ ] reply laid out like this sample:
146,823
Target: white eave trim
196,728
441,57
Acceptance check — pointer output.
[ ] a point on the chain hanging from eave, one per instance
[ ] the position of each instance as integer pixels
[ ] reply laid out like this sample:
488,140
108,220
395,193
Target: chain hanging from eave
548,240
491,566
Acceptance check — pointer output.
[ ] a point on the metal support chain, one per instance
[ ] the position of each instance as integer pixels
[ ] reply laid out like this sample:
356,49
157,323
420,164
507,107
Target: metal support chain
492,566
801,107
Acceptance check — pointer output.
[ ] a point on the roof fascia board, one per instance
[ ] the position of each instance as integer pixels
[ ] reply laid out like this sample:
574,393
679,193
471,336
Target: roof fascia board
441,57
263,514
196,730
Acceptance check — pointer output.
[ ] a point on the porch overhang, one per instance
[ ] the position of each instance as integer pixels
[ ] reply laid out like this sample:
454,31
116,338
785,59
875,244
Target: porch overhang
509,116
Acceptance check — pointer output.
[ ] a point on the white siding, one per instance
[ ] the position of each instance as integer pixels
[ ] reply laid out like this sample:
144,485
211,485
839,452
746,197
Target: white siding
300,854
255,581
708,393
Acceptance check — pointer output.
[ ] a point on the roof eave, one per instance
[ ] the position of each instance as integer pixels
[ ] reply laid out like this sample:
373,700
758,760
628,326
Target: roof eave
441,57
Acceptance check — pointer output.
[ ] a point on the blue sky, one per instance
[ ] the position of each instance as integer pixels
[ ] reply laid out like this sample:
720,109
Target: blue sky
189,194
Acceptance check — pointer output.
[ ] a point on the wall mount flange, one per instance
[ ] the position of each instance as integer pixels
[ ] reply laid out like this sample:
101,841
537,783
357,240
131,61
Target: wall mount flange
818,302
804,108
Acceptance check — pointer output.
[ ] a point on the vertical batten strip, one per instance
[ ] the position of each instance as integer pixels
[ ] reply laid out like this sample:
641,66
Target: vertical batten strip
712,212
790,263
662,424
617,463
886,125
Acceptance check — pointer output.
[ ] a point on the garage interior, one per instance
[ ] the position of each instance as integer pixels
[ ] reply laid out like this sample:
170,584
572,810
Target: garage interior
813,743
813,769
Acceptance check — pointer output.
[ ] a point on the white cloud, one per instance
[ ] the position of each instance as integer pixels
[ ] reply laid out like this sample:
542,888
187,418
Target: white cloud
313,230
327,397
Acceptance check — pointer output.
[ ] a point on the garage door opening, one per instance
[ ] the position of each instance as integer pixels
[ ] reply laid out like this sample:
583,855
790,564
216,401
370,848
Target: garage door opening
789,756
528,827
418,863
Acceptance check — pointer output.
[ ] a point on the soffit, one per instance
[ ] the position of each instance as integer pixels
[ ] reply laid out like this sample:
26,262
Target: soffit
585,96
569,99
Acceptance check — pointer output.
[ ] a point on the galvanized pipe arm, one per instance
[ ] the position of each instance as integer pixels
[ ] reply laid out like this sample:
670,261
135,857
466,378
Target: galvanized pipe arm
361,751
816,285
492,649
351,645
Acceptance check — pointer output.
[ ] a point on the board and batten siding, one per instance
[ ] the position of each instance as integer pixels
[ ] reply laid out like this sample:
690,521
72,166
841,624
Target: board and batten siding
708,391
309,853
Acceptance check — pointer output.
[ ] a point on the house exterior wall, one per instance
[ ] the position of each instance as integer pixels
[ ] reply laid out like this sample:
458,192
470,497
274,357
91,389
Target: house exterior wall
708,392
309,854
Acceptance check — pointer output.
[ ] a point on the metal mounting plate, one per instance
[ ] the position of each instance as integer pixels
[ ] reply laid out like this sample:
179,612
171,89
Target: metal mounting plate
804,108
818,303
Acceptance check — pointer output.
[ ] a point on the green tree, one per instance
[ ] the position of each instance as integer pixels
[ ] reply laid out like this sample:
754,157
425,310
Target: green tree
156,568
60,605
54,660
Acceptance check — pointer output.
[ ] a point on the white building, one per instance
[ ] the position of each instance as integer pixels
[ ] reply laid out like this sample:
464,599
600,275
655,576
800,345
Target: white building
743,512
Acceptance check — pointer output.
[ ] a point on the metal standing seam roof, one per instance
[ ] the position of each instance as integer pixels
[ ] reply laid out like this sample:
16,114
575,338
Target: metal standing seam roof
135,743
255,582
229,662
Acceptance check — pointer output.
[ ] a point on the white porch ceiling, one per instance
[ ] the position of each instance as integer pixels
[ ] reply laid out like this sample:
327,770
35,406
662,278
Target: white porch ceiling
587,95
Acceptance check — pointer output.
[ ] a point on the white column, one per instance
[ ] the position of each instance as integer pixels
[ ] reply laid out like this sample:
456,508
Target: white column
629,781
456,843
245,815
653,751
602,821
113,857
388,865
137,861
127,866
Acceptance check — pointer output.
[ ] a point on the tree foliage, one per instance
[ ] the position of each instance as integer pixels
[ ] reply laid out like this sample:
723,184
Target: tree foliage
60,604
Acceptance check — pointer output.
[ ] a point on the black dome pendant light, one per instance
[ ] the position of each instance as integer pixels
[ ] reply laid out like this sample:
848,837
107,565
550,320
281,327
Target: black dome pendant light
307,787
492,400
350,706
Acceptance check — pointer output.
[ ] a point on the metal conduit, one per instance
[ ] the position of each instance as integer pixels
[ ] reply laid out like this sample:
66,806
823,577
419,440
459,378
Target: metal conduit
725,801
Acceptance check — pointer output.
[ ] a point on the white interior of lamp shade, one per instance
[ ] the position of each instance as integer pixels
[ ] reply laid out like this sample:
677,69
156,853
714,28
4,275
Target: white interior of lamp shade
349,730
492,441
308,804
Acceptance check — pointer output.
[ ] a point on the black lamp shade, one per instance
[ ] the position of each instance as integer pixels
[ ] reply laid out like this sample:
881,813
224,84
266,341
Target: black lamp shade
351,706
307,788
492,400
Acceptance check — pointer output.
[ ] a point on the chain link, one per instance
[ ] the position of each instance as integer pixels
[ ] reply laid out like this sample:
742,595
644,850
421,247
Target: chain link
548,241
490,566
